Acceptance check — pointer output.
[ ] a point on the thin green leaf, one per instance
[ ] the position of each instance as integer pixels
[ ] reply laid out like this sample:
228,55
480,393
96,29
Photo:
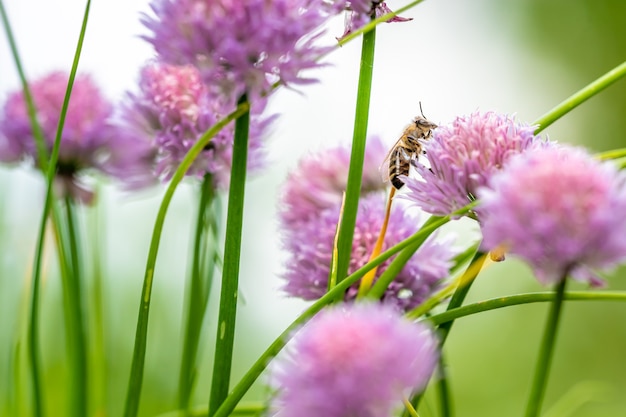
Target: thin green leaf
139,352
580,97
225,337
357,156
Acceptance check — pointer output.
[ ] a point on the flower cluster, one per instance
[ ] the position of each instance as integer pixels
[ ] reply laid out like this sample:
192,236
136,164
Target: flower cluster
241,47
309,218
174,108
89,138
357,360
463,156
559,209
320,179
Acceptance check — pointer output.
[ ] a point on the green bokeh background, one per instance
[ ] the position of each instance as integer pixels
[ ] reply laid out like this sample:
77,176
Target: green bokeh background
490,356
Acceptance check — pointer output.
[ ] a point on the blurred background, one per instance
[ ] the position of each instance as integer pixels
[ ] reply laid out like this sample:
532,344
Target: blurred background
456,57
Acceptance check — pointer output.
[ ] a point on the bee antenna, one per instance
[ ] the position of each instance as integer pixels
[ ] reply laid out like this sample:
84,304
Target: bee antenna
421,111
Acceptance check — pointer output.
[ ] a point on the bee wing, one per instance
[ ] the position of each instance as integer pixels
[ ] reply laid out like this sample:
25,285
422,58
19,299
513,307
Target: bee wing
384,166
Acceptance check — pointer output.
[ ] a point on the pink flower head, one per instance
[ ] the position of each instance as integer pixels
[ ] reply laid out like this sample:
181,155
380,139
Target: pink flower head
357,360
309,214
463,156
310,247
174,108
560,210
360,13
240,46
89,139
320,179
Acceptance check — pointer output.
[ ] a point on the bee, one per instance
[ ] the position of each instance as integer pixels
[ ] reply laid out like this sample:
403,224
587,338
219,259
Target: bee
408,147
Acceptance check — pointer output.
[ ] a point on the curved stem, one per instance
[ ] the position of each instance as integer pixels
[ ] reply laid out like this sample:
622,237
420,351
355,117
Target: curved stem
357,156
335,293
40,143
380,286
224,340
139,352
50,168
544,360
519,299
580,96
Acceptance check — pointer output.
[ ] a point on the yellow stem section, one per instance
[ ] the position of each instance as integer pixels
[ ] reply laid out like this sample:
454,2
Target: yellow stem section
333,264
368,279
409,407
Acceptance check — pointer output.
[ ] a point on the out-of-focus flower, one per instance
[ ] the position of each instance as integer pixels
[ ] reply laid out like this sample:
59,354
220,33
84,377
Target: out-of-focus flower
360,13
89,138
242,47
357,360
174,108
310,247
463,156
560,210
320,179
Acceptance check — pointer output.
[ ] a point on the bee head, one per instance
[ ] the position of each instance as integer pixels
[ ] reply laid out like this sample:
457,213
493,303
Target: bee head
423,123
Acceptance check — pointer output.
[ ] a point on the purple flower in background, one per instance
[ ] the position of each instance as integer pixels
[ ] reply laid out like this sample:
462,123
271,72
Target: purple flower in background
560,210
360,13
174,108
357,360
310,248
321,178
242,47
463,156
89,139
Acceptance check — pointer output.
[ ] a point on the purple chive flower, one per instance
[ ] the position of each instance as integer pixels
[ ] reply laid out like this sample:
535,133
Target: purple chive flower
174,108
321,178
357,360
560,210
463,156
240,46
310,247
360,13
89,138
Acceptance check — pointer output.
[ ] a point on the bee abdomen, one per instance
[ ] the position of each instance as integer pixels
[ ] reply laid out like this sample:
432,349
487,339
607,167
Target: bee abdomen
396,182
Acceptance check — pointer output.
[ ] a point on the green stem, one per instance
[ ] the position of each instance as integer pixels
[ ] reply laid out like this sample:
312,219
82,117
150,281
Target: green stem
197,294
519,299
382,283
98,345
612,154
580,96
77,350
357,156
139,352
331,296
50,168
225,337
40,143
445,400
464,284
545,353
247,409
459,295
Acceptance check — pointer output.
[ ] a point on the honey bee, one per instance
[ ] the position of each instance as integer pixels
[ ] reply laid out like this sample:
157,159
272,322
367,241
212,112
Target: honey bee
399,158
